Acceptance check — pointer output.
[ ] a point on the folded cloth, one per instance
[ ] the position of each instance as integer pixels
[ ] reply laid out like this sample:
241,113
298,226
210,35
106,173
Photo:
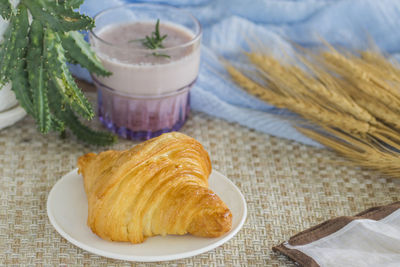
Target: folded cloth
228,25
370,238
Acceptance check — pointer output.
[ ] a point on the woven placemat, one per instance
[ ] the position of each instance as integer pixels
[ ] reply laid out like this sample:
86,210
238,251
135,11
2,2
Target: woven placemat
289,187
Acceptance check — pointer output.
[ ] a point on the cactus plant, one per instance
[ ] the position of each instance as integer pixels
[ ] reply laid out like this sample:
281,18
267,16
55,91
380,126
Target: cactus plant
34,57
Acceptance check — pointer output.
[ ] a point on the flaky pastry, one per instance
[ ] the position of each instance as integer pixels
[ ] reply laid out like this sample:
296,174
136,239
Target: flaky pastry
158,187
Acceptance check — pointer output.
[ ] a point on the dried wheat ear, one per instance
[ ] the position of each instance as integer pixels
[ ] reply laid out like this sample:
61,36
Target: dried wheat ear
350,102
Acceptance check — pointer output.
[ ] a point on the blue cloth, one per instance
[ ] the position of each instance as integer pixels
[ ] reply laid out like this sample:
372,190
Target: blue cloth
228,25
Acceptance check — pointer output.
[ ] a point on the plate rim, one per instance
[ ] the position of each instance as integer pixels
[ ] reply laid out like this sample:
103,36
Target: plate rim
136,258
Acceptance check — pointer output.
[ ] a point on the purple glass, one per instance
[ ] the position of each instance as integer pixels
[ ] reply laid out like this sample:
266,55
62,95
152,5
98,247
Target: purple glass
146,95
142,117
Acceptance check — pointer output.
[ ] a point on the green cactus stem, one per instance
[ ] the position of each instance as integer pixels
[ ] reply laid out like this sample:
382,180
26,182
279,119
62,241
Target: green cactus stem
15,45
16,61
19,85
57,124
37,77
85,133
62,78
4,59
5,9
79,50
34,57
82,131
60,17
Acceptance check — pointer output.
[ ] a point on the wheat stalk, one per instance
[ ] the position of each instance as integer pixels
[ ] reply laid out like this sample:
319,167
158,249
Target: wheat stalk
308,110
371,84
380,64
363,154
353,99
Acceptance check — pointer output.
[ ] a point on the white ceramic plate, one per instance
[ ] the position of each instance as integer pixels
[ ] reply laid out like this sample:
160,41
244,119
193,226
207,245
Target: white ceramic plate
67,211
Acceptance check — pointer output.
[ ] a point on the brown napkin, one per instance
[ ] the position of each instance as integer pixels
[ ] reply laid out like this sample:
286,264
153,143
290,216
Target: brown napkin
370,238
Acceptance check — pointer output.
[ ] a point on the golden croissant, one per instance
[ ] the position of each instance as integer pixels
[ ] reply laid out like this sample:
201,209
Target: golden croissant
158,187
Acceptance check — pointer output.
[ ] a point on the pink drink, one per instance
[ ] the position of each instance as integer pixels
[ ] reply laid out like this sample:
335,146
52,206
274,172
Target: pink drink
147,94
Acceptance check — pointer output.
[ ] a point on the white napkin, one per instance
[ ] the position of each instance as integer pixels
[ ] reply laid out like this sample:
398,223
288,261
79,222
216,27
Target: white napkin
371,238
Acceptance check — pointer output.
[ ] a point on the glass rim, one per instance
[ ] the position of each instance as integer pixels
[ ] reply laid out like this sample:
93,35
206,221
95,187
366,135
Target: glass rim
193,40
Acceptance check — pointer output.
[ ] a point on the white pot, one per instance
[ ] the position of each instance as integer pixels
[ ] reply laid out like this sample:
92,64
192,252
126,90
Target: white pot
7,98
10,111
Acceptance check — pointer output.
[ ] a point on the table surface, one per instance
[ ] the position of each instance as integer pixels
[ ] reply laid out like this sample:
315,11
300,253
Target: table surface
288,188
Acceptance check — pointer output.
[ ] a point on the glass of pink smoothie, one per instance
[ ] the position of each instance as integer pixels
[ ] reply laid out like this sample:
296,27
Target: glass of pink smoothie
148,91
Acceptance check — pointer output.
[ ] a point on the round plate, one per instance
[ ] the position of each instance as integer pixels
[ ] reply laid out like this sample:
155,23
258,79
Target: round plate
67,210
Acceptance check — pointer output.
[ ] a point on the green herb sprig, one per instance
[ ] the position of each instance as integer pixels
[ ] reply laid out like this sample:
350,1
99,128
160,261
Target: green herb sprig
34,57
154,41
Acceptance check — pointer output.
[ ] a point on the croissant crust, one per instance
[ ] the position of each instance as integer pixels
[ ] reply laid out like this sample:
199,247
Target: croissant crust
158,187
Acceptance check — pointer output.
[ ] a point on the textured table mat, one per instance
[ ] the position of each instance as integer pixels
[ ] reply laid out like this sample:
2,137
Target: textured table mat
288,187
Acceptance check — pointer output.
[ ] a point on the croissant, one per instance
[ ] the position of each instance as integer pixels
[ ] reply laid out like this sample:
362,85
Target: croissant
158,187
